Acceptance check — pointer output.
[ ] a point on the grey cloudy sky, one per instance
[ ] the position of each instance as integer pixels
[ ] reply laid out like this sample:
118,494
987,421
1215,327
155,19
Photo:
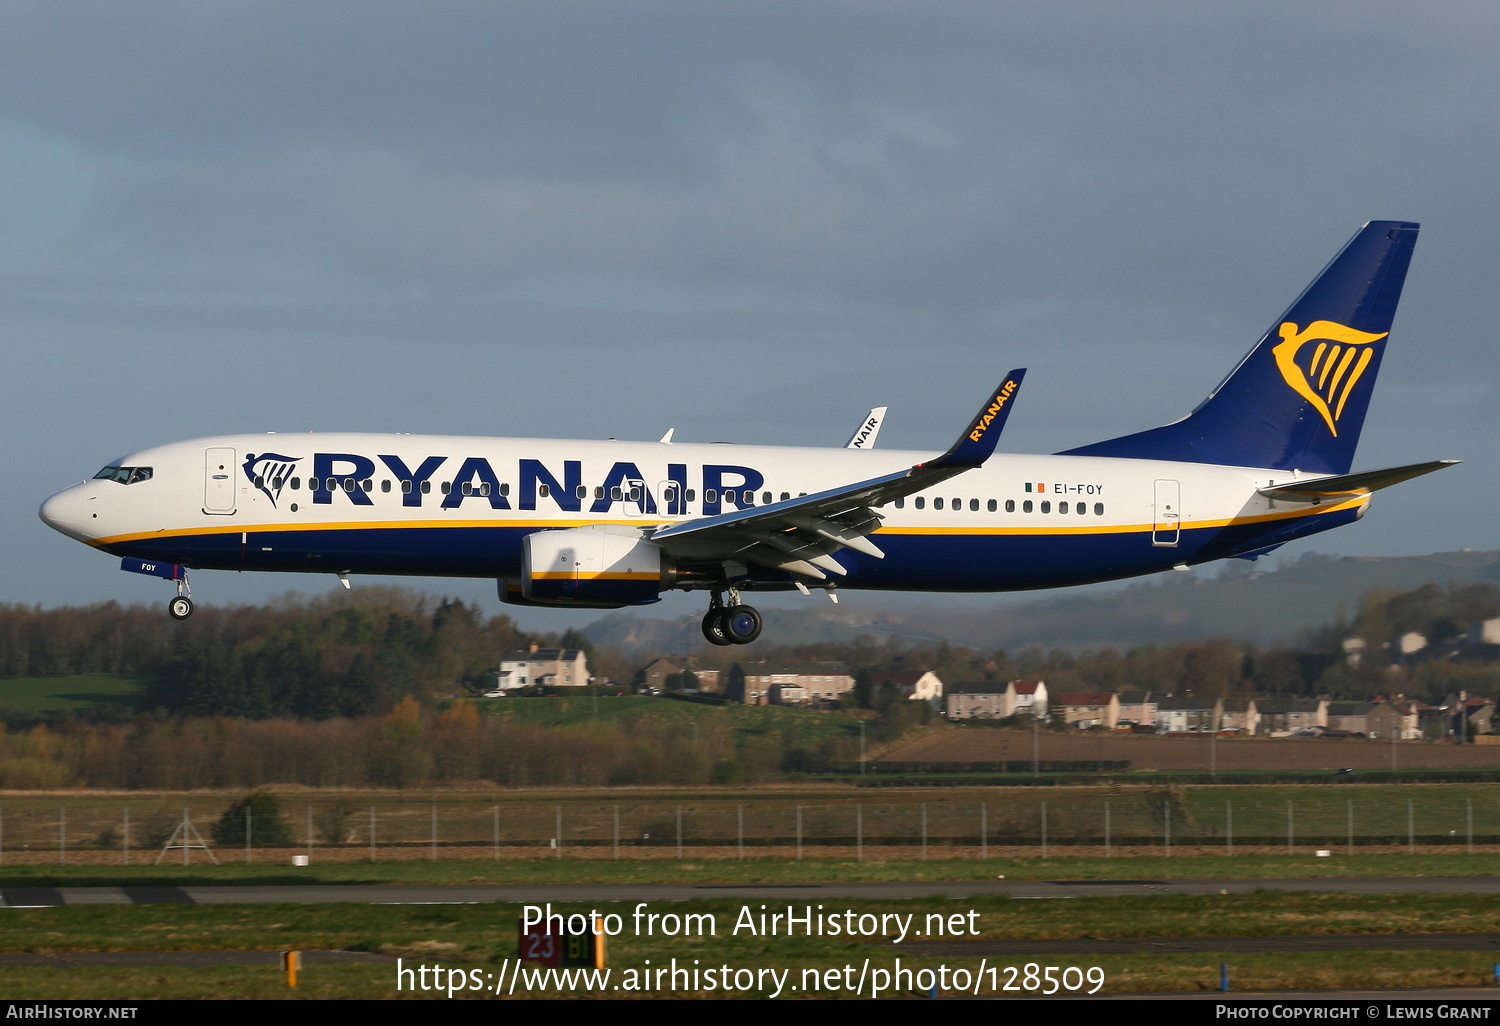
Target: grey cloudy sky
750,221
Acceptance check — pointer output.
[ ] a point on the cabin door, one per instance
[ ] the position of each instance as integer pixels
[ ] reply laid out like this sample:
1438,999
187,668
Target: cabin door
218,481
1166,521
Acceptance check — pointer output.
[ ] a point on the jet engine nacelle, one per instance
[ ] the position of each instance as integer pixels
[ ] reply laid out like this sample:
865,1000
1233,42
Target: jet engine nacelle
601,567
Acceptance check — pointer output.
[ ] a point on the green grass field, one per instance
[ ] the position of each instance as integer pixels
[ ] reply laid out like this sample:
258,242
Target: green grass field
829,819
800,726
70,693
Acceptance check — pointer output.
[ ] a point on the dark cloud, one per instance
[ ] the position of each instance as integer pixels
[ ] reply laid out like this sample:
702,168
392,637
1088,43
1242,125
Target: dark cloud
815,207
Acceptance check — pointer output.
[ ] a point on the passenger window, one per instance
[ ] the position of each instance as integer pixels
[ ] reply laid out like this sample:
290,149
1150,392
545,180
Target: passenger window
368,484
710,495
1026,506
427,487
406,487
992,506
765,498
901,503
1010,505
598,491
937,503
1098,509
785,496
691,495
260,482
543,490
974,505
447,487
747,498
348,484
505,489
385,486
958,504
1062,507
296,483
1046,506
614,495
919,502
635,493
484,488
581,491
1083,508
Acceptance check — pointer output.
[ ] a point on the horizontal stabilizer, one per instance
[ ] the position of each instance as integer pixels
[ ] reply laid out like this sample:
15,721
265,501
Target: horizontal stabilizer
1348,486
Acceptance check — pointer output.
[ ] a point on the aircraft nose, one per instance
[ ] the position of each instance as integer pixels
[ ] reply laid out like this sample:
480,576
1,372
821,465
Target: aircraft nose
64,512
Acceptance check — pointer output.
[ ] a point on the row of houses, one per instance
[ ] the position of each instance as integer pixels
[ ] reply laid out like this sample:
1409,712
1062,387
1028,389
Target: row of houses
825,683
808,683
1390,717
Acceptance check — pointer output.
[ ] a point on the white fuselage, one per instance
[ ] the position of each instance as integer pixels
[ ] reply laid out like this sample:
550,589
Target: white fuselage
458,506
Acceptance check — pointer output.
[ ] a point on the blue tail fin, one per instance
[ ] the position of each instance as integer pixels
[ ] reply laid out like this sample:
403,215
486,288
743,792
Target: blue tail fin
1298,400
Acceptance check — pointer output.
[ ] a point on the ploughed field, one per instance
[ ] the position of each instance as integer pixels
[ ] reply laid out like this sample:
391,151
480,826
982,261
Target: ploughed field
1150,752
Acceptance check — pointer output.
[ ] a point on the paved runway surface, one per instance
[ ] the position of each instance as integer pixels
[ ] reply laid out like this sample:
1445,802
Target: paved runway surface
419,894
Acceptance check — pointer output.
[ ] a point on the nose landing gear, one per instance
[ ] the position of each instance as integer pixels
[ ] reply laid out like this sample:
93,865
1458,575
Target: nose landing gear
734,624
181,607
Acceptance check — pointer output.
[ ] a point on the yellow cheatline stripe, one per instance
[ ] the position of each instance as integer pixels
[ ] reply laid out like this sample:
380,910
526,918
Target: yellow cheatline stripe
568,575
355,525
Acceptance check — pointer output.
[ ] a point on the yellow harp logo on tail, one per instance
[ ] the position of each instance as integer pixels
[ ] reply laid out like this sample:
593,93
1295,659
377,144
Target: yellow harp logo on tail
1329,375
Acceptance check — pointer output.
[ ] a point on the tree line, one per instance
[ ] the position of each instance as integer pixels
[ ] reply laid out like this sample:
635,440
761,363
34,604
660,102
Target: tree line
355,691
359,654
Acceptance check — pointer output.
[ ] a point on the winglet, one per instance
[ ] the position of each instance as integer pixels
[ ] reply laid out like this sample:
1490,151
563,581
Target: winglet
977,442
864,435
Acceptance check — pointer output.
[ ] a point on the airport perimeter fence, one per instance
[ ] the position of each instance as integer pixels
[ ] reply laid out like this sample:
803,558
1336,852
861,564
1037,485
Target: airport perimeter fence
1159,821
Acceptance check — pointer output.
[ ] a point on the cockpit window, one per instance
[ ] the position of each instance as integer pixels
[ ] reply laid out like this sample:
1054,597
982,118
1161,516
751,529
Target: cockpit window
124,475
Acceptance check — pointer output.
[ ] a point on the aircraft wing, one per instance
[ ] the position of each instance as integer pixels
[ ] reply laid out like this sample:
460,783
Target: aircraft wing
799,535
1349,486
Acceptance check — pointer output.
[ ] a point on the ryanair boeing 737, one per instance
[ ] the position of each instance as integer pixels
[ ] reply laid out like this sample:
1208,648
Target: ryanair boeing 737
1265,459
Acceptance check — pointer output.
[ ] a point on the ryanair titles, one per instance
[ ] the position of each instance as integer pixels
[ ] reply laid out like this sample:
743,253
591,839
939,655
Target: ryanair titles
449,482
992,411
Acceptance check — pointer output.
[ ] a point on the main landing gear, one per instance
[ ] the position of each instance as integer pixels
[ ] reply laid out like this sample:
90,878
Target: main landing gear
734,624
